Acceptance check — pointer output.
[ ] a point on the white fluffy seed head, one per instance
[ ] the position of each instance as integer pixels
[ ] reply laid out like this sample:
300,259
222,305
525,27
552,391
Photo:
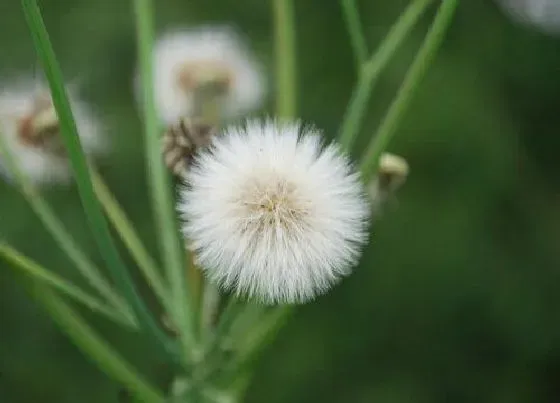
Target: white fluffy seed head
273,214
543,15
26,110
186,60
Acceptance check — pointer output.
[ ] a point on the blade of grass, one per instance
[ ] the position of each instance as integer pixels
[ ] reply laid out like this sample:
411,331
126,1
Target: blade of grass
98,224
126,231
40,273
94,347
61,236
358,41
371,70
285,38
160,185
413,77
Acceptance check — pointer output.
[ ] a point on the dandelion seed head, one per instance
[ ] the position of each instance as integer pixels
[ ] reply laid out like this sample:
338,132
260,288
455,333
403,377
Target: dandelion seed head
272,213
30,128
208,56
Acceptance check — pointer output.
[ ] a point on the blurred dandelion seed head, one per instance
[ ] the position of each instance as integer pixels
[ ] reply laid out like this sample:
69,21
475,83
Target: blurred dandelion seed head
273,214
544,15
30,128
209,60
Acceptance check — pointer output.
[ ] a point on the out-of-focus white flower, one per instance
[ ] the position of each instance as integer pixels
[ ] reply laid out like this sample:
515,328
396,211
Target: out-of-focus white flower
30,128
541,14
273,214
189,62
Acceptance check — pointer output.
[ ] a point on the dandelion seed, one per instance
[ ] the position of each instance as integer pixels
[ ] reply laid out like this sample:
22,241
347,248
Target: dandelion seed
30,128
273,214
210,62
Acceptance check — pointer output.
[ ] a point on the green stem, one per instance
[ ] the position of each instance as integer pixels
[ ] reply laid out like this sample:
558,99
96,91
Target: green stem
413,77
124,227
357,39
371,71
38,272
286,103
61,236
254,341
160,185
97,221
85,338
221,334
209,309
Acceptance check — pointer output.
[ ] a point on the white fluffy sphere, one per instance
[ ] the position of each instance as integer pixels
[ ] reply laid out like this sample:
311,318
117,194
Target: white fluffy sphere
18,104
273,214
213,47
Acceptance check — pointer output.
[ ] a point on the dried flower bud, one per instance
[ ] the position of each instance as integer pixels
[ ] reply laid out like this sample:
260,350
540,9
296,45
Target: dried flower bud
391,175
181,140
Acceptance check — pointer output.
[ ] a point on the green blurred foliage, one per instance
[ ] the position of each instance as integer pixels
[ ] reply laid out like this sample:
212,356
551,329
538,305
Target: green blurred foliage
457,298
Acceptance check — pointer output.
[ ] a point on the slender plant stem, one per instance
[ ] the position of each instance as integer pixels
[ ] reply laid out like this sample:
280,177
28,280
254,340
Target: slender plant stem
125,228
286,102
413,77
355,30
209,309
230,313
94,213
85,338
40,273
256,340
160,185
61,236
209,108
371,71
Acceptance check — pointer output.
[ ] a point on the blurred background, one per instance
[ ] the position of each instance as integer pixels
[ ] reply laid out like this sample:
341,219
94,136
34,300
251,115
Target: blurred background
457,298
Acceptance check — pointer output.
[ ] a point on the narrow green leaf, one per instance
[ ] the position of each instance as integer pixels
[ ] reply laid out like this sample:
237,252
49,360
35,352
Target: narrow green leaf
285,43
39,273
171,244
413,77
128,234
371,71
98,224
94,347
357,39
61,236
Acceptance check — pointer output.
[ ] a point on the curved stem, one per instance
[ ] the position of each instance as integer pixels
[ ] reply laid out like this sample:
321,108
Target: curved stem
370,72
170,243
357,39
284,22
78,162
38,272
413,77
96,349
129,236
256,339
61,236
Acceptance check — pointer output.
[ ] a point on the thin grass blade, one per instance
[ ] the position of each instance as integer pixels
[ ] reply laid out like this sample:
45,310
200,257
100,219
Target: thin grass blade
94,347
413,77
98,224
39,273
129,236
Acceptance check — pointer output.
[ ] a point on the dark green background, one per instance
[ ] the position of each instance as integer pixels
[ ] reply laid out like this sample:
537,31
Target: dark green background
457,298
